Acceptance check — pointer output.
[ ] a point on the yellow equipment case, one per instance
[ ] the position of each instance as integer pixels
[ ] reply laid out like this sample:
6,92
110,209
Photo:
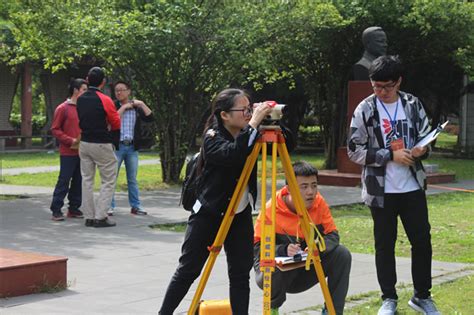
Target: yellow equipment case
215,307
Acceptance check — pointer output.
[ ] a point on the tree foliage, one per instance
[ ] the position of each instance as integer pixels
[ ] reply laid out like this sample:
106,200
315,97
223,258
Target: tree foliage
178,54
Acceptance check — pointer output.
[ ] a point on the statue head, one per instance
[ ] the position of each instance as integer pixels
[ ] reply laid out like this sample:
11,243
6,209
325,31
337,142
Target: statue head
375,41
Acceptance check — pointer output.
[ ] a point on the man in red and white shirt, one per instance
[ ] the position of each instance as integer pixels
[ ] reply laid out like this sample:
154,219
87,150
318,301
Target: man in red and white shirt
100,125
65,128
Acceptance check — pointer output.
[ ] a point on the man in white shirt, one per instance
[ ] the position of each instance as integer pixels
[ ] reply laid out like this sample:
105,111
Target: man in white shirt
384,130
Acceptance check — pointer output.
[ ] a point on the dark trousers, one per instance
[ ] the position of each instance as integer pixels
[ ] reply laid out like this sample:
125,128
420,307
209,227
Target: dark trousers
413,212
238,245
336,266
69,183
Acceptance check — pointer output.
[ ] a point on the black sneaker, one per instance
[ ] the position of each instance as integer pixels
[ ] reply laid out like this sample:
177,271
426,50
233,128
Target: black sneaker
75,214
425,306
57,216
89,222
104,223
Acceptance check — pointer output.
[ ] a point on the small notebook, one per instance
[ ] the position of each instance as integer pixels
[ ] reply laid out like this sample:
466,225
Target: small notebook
431,136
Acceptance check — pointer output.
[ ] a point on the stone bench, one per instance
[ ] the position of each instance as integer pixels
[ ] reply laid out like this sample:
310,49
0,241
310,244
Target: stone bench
24,273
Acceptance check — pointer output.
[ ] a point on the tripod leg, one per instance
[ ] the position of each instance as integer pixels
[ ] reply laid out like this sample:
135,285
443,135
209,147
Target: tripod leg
305,224
225,226
267,252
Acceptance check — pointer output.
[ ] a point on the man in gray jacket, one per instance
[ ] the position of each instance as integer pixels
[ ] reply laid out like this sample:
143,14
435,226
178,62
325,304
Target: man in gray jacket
384,131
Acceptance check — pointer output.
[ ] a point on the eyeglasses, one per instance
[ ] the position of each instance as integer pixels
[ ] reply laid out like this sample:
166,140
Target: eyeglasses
121,90
248,111
387,87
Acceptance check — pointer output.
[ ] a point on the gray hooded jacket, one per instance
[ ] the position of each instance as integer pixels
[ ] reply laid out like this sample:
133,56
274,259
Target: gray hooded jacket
366,145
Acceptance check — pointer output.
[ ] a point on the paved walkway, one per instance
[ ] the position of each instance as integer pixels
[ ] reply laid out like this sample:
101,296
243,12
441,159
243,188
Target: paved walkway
47,169
126,269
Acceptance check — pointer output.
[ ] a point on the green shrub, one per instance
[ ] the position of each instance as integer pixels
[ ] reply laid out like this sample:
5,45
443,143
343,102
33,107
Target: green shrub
310,136
38,122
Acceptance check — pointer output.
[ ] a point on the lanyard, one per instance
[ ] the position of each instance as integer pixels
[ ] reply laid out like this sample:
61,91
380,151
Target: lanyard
393,121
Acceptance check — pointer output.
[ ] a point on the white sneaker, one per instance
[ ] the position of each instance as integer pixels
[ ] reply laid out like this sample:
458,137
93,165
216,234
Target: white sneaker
110,212
389,307
425,306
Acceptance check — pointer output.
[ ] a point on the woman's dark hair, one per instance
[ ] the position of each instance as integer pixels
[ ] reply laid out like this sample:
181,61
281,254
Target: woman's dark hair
386,68
76,84
222,102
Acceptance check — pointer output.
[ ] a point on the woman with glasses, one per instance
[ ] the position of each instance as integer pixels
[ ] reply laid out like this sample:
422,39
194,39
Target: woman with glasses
229,137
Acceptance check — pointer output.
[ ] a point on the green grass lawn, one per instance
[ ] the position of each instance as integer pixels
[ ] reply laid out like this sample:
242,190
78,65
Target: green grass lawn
17,160
316,159
452,228
150,176
463,168
446,141
450,298
149,179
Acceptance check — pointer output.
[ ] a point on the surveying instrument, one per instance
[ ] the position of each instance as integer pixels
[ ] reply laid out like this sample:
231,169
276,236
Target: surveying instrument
271,133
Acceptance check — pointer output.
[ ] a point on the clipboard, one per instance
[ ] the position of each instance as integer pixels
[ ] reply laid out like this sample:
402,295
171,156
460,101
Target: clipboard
285,263
432,135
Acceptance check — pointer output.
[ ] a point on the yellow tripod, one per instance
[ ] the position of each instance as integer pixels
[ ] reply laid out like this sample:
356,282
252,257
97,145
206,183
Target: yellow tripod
273,135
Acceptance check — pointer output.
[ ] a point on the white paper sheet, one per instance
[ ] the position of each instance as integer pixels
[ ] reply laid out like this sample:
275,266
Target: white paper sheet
431,136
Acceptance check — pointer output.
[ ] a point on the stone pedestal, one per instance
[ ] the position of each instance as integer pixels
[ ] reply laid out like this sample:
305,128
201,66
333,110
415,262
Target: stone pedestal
357,91
344,165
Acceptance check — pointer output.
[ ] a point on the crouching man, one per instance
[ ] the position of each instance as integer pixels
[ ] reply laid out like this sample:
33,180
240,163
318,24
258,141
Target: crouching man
289,240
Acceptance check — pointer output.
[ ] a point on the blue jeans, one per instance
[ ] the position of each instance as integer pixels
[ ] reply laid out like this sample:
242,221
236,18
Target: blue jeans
128,154
69,183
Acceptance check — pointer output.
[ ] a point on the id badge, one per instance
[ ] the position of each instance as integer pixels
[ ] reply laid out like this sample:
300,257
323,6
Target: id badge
397,144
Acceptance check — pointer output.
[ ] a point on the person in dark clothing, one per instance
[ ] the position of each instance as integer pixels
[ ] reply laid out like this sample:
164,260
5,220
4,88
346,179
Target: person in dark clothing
100,125
229,137
65,128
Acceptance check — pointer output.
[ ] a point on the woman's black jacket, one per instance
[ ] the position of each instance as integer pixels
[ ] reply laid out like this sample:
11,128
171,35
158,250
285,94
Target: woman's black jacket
224,159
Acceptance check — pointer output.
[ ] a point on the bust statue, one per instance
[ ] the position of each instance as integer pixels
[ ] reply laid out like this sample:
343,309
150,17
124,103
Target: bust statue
375,45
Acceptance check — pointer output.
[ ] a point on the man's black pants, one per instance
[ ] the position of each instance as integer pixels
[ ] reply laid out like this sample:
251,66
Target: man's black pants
69,183
238,245
413,212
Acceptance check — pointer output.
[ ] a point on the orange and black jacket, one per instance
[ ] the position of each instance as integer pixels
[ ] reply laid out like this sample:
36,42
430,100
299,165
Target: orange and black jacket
287,226
96,113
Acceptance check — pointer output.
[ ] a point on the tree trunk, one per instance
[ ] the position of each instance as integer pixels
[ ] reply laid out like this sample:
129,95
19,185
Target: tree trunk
335,126
172,157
